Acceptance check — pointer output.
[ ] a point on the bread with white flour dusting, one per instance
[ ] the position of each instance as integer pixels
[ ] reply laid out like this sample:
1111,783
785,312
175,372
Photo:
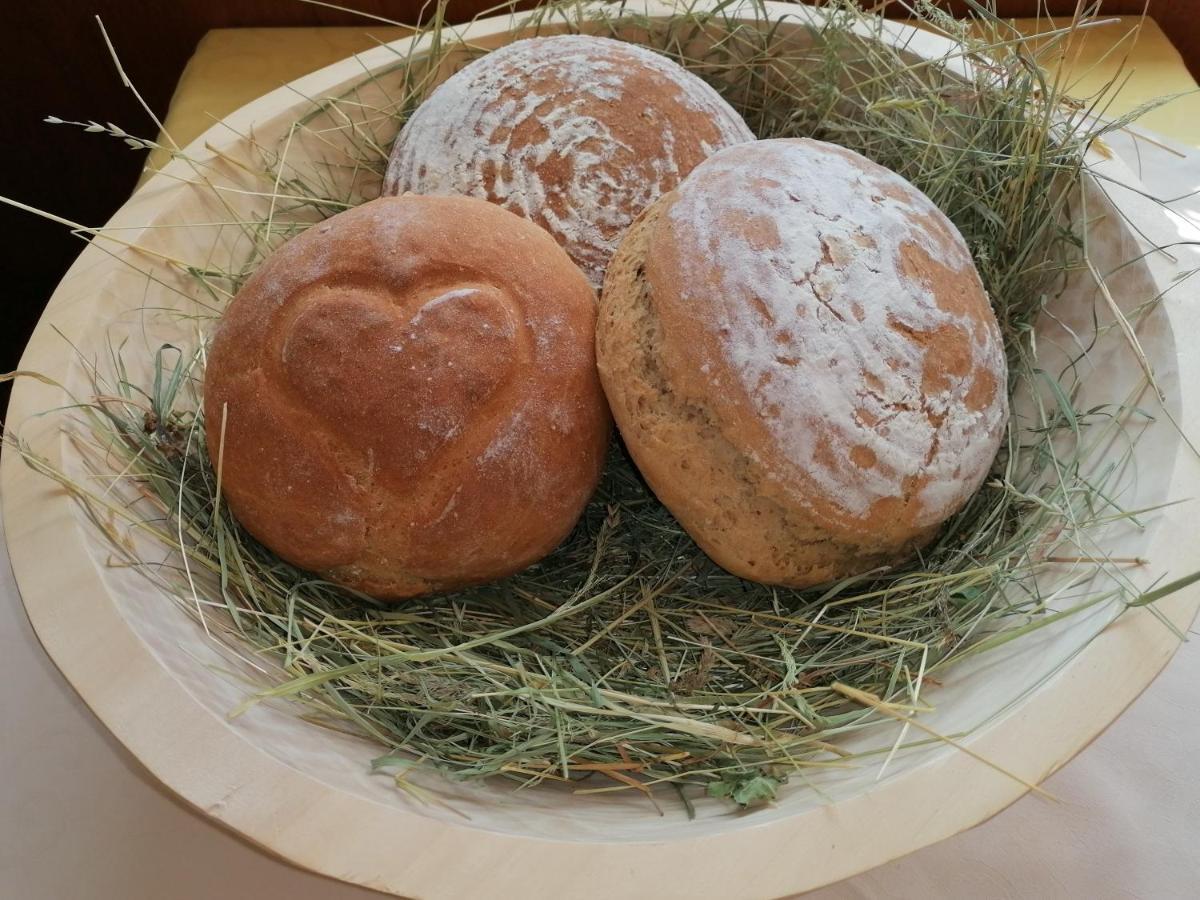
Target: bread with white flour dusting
402,417
578,134
802,361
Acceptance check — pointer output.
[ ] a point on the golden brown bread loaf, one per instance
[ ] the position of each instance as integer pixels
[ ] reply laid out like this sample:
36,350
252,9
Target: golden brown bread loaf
802,361
578,134
410,396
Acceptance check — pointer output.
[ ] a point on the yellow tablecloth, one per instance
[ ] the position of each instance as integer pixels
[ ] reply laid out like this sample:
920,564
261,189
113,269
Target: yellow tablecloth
232,66
1152,68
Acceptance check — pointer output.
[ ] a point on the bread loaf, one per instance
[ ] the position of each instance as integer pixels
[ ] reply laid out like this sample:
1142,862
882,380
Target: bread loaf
802,361
409,396
578,134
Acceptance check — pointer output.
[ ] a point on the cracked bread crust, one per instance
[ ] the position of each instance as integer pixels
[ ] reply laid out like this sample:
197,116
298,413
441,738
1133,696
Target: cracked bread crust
574,132
715,490
712,447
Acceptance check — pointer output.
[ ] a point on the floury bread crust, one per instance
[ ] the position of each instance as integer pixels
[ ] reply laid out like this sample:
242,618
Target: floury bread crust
578,134
806,369
410,396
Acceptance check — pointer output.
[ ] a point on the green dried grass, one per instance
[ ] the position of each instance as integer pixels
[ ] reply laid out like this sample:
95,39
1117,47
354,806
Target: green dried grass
627,658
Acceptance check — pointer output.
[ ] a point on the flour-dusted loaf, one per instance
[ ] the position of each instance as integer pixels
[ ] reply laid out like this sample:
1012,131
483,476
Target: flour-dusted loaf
802,361
578,134
409,396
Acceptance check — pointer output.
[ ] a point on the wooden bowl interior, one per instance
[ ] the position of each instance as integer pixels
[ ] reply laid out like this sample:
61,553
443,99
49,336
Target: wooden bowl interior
975,692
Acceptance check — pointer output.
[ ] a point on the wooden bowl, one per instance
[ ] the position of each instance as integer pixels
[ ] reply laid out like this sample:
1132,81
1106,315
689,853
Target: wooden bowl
305,793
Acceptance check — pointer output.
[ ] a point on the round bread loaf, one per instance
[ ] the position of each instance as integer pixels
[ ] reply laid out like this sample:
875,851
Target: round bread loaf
802,361
409,396
578,134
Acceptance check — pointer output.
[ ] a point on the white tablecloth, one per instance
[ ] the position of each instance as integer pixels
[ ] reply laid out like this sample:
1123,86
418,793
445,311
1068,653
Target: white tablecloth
80,818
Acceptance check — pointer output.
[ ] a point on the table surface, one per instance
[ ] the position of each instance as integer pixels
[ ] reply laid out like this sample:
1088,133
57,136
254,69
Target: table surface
80,817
